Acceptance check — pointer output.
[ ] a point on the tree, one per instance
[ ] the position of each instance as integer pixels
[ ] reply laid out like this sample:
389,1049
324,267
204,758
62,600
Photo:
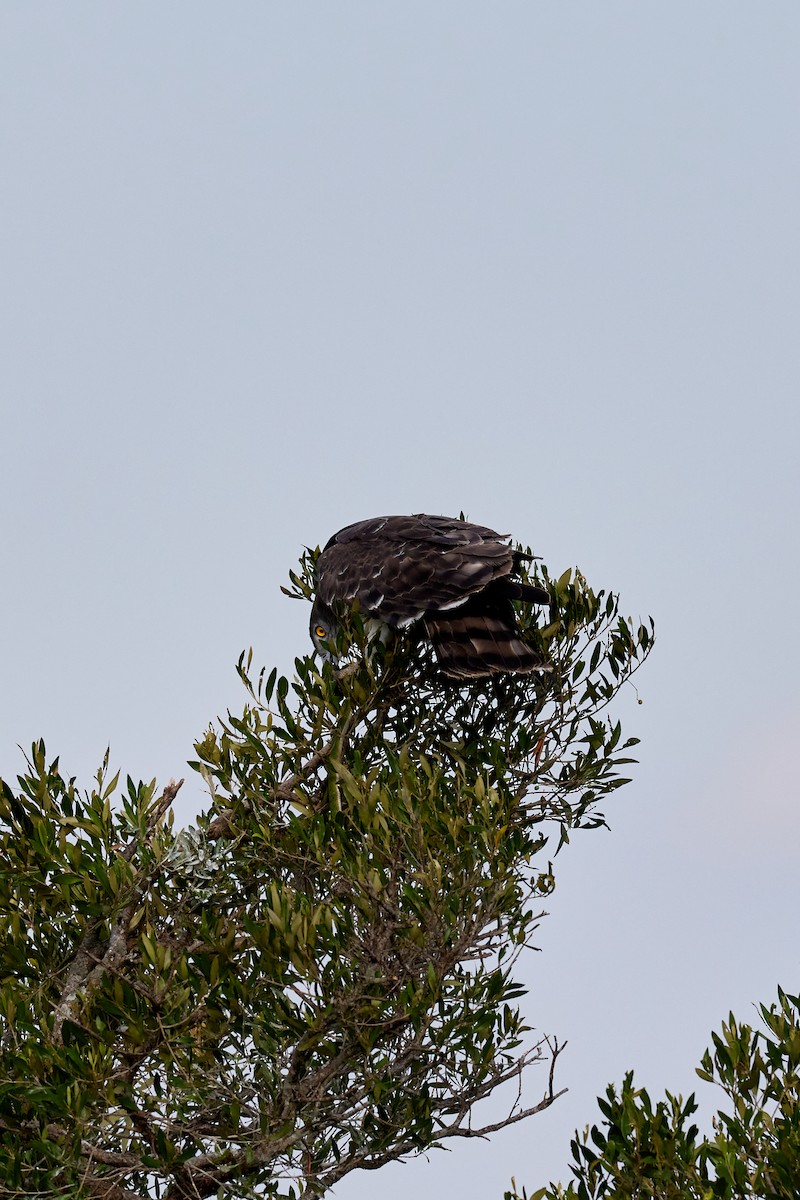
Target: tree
645,1150
319,976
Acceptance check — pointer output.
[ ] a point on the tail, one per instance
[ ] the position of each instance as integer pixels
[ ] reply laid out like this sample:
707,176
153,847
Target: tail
525,591
474,645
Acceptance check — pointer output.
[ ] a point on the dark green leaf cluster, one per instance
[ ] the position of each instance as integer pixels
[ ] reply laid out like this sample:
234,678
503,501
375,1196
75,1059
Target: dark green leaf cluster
653,1150
320,976
76,891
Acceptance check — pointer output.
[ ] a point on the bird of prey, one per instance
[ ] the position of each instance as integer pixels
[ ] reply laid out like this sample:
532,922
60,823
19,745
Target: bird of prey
453,576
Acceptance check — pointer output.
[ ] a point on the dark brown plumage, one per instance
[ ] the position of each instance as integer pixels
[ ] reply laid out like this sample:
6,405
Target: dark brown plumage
454,576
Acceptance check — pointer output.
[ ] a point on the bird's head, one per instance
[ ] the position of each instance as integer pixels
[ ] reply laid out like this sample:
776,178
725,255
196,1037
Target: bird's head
324,630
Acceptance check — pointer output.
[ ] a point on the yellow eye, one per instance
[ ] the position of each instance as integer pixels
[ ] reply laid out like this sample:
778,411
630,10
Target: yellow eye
320,631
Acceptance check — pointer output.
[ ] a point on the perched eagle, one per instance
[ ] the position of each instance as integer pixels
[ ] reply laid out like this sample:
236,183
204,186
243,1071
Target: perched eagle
453,576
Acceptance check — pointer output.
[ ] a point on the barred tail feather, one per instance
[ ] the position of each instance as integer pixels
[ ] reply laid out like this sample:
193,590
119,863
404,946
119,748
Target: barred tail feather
475,645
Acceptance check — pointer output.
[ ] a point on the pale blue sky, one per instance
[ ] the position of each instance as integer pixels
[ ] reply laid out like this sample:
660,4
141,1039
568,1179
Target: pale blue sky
268,269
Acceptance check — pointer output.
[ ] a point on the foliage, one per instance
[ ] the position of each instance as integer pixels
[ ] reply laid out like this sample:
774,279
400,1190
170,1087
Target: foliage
643,1150
319,976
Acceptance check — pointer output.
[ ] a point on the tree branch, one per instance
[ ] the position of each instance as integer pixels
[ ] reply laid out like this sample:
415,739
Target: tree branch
82,976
